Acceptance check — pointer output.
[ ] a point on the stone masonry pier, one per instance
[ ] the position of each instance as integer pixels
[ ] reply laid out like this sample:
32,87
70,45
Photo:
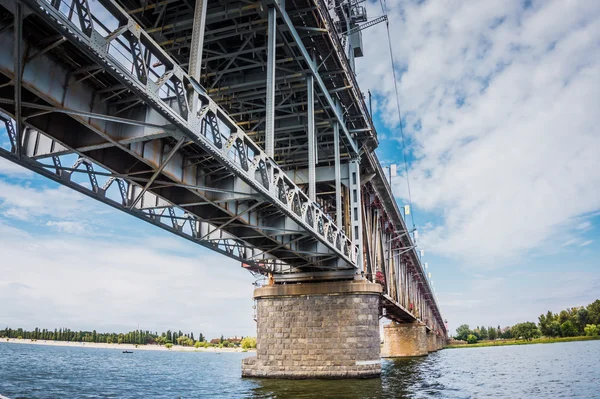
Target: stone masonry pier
409,339
405,339
432,342
319,330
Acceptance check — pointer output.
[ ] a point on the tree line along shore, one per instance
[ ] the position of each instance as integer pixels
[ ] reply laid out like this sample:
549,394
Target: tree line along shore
136,337
573,324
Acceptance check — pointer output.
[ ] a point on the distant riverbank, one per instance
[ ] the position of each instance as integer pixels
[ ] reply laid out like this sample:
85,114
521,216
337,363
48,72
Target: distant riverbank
128,347
523,342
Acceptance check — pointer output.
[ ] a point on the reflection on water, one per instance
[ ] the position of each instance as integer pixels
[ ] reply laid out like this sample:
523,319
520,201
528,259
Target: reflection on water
371,388
398,378
568,370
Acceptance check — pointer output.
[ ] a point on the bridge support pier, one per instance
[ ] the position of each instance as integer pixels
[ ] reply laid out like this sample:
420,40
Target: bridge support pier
319,330
441,342
405,339
432,342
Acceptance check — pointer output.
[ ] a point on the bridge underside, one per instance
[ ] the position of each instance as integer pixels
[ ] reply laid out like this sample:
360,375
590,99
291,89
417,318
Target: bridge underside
237,125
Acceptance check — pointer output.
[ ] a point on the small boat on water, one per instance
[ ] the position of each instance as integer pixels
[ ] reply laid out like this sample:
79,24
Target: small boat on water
127,352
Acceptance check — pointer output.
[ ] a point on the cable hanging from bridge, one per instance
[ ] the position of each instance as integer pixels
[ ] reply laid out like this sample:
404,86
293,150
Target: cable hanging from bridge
387,25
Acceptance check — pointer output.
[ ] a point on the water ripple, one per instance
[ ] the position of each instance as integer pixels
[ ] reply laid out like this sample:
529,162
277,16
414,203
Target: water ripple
563,370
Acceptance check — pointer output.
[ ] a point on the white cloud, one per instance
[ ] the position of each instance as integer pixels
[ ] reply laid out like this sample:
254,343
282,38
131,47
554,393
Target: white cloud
506,100
84,269
12,169
79,269
24,202
86,283
586,243
584,225
90,277
68,227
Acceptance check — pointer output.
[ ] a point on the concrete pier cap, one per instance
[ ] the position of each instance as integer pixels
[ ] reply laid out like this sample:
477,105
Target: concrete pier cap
317,330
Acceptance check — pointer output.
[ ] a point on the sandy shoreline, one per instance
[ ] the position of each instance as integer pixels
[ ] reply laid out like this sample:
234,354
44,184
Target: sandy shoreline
129,347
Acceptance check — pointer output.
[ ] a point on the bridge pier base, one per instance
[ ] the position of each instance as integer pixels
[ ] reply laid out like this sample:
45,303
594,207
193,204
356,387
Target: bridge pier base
441,342
432,342
319,330
405,339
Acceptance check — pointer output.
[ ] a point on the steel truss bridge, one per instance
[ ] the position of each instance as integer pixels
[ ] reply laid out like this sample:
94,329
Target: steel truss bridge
236,124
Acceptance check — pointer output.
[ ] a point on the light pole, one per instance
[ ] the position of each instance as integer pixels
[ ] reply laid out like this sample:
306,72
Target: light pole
392,172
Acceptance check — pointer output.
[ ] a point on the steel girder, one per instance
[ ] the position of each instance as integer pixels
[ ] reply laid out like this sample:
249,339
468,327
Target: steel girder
233,150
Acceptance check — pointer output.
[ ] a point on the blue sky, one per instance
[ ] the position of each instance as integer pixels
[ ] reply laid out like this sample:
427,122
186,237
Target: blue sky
500,105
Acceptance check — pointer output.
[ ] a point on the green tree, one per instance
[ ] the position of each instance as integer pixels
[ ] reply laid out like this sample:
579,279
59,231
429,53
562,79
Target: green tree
492,333
568,329
471,339
483,332
184,341
544,323
563,316
554,329
462,332
527,330
591,330
507,333
594,312
248,343
582,319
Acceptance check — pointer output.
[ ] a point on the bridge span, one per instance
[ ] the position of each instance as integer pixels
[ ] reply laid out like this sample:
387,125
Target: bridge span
238,125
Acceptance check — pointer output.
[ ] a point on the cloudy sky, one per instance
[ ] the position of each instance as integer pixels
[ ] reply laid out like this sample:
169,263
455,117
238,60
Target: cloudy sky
500,106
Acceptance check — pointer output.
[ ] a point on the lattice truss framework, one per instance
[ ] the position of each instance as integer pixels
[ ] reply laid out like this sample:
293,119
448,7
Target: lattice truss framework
168,155
106,94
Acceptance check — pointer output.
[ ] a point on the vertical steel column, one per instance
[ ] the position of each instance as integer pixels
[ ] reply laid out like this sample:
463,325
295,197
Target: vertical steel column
349,48
312,186
197,44
18,63
398,264
338,175
355,210
270,109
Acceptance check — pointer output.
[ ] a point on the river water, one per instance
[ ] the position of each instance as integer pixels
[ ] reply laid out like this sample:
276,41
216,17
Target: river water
561,370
